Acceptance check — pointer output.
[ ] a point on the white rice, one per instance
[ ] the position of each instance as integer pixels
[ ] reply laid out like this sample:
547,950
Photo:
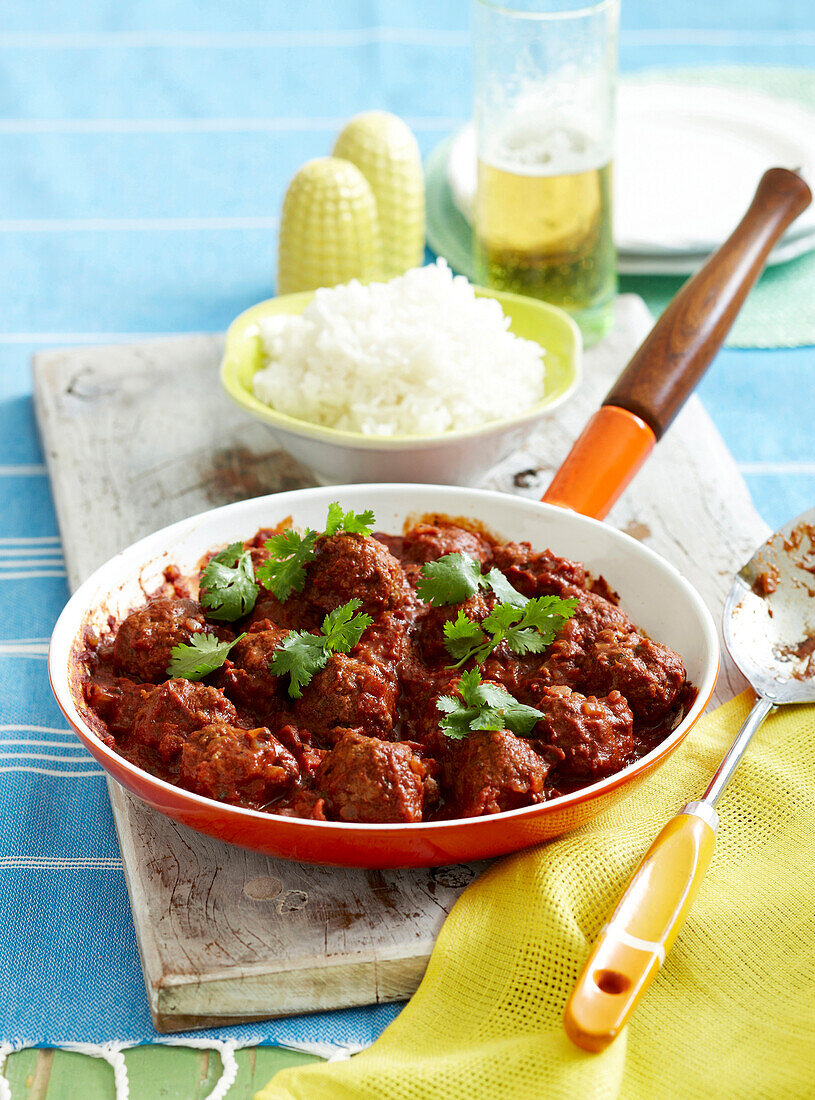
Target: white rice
418,355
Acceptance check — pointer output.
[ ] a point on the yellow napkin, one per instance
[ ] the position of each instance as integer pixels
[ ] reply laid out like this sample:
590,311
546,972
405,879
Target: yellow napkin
732,1013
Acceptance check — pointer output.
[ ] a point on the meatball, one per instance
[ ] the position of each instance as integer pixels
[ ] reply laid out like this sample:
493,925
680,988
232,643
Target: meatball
585,737
354,566
595,613
543,574
419,684
491,771
348,693
301,745
563,663
385,643
368,780
295,613
511,670
116,700
648,674
236,765
430,541
246,677
146,637
431,627
172,712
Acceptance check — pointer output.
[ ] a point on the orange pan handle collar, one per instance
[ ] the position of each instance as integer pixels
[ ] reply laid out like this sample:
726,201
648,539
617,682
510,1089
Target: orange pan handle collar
606,456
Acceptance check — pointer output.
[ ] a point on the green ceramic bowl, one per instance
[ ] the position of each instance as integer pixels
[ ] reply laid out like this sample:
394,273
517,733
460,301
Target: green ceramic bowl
452,458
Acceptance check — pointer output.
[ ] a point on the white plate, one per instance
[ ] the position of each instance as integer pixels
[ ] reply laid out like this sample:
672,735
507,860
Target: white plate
686,263
687,161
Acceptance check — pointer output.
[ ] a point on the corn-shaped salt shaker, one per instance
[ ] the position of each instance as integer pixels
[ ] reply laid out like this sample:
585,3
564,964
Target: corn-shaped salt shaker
329,228
384,149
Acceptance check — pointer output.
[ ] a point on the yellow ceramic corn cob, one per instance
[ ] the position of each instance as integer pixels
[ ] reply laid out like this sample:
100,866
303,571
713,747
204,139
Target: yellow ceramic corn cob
329,228
385,151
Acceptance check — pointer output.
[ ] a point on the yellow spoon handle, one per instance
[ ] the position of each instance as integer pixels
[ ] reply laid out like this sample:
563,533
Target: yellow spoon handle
640,932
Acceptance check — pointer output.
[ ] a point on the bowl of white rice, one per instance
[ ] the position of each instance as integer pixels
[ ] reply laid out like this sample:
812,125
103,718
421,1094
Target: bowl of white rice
422,378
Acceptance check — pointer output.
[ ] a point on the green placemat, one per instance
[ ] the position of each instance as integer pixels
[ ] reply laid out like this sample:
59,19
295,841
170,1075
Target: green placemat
780,311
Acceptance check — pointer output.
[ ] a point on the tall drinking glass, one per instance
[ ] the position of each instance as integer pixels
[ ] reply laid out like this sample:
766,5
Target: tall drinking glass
545,76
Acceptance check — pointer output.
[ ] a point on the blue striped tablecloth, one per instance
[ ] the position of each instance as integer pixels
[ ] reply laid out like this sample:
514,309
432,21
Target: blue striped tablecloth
144,149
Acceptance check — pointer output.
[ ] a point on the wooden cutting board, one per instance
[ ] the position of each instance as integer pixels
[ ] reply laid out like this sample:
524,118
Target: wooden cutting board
138,436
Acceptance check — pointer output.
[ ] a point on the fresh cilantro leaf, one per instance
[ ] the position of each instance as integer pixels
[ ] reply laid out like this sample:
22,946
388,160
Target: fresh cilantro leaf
284,571
468,685
539,623
502,617
354,523
520,719
457,719
503,589
463,638
343,629
201,657
517,717
451,579
447,704
525,629
493,695
455,577
228,588
484,707
302,654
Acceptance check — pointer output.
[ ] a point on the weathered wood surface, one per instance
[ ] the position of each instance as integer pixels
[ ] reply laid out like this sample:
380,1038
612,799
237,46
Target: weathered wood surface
139,436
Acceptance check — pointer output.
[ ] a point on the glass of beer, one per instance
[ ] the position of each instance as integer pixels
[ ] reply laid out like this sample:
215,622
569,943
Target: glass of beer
545,76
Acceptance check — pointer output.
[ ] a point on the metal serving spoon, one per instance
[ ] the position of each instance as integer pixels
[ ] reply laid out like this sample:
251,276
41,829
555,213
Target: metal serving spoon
769,629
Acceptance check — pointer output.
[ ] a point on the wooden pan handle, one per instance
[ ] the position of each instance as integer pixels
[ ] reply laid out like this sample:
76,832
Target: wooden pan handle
674,356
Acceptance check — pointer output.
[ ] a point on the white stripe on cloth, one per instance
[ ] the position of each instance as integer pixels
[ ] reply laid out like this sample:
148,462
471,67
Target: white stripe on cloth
24,649
35,540
52,771
232,40
59,863
428,124
24,469
36,744
370,36
76,338
36,729
83,758
772,469
18,560
702,36
138,225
